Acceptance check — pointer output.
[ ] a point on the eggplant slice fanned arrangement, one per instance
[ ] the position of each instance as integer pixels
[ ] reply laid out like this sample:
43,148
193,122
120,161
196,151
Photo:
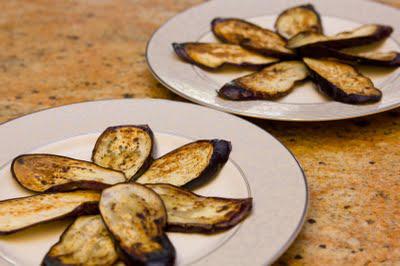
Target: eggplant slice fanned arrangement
215,55
136,216
269,83
190,165
342,82
298,19
85,242
192,213
20,213
125,148
363,35
250,36
52,173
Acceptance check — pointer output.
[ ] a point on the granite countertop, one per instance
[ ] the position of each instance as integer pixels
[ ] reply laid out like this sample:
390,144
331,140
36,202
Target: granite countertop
55,53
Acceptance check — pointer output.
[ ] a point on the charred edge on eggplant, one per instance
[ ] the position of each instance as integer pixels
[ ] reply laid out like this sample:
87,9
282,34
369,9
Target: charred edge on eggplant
326,52
219,155
180,50
147,160
337,93
85,208
70,185
254,86
316,27
280,50
236,210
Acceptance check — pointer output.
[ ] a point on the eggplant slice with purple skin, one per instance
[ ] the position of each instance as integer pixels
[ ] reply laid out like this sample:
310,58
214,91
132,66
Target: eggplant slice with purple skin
216,55
298,19
190,165
136,216
126,148
20,213
53,173
250,36
342,82
85,242
192,213
363,35
269,83
388,59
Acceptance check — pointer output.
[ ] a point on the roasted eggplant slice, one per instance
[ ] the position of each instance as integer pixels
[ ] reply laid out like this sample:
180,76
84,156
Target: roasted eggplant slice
124,148
370,58
342,82
251,36
51,173
85,242
215,55
20,213
269,83
135,216
298,19
192,213
360,36
190,165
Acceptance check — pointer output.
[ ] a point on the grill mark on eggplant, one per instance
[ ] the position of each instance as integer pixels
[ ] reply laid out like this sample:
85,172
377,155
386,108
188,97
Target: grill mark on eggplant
190,165
216,55
139,241
271,82
389,59
298,19
54,173
250,36
125,148
363,35
342,82
192,213
20,213
85,242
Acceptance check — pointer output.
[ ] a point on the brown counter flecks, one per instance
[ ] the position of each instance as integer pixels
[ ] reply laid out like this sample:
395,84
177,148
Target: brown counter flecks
59,53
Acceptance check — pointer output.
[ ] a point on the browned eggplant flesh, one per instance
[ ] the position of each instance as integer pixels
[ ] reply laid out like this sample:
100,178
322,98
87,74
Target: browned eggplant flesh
215,55
342,82
251,36
48,172
190,165
85,242
125,148
19,213
270,83
363,35
135,216
298,19
191,213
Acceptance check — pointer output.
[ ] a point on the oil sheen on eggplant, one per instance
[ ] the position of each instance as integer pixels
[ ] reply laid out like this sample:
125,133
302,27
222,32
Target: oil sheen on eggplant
20,213
271,82
298,19
342,82
48,172
251,36
363,35
126,148
190,165
192,213
85,242
136,216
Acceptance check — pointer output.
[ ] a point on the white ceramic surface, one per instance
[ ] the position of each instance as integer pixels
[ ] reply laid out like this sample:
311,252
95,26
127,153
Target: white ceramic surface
259,167
304,103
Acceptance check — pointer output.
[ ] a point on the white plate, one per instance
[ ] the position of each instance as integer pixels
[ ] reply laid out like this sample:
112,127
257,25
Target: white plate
304,103
259,166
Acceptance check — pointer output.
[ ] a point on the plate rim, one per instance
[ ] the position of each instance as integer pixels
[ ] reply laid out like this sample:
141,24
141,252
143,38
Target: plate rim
265,116
305,208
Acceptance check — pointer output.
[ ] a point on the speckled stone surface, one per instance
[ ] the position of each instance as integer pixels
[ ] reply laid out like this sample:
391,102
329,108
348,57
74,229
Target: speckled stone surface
59,52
